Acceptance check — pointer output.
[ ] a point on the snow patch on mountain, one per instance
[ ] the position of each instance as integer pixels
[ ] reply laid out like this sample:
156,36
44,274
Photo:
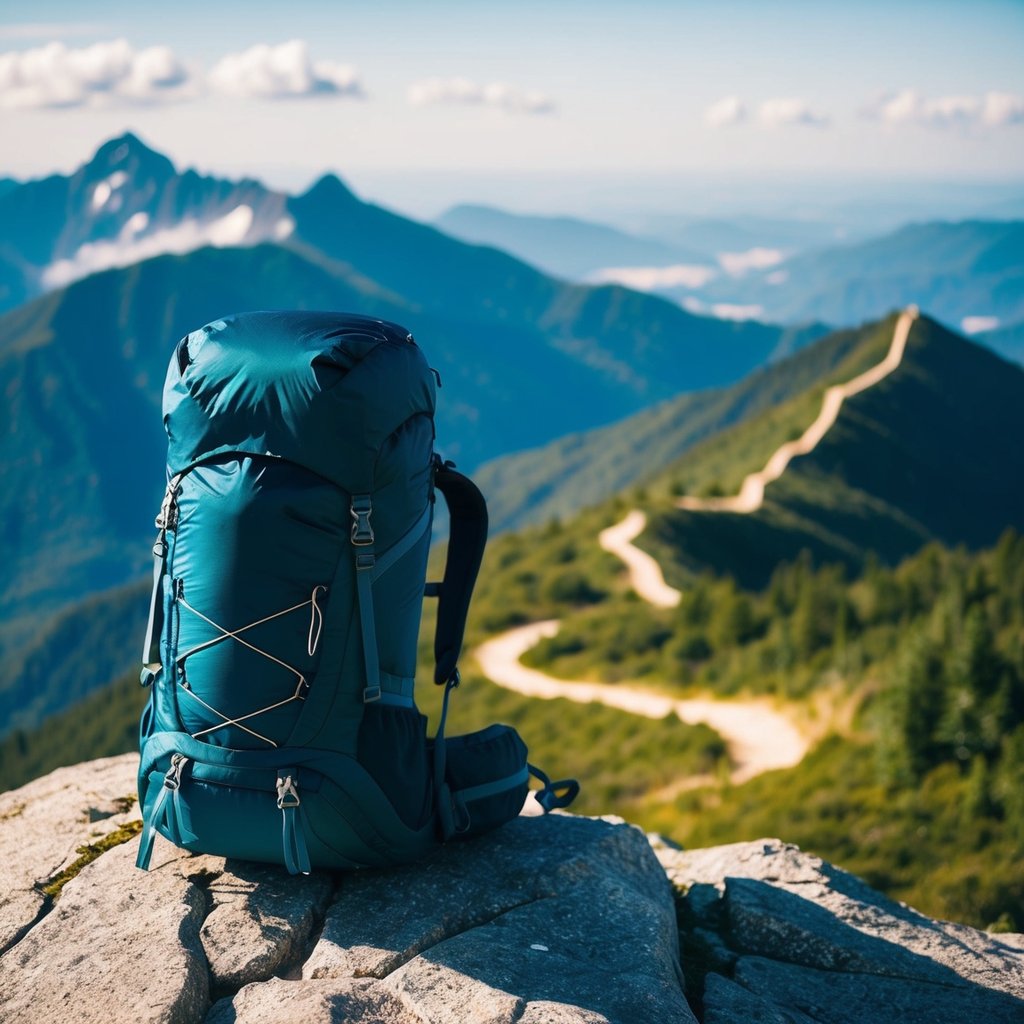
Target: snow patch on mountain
133,243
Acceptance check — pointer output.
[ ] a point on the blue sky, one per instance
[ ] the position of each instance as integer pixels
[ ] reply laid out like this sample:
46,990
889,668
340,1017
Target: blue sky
555,105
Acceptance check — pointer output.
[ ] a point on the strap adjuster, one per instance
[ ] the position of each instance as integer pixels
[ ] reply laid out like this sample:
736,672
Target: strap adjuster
362,531
371,694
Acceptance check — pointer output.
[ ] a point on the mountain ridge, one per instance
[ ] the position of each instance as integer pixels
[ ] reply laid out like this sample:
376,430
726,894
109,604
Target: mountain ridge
496,328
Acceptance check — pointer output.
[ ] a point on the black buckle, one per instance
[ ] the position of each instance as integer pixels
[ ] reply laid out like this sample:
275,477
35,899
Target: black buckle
362,531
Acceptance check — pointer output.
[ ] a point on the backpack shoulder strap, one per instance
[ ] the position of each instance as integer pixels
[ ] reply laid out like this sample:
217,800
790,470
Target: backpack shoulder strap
467,539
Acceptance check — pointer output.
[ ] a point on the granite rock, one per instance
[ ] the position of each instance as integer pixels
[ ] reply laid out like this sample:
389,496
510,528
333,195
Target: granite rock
554,919
772,934
549,920
43,824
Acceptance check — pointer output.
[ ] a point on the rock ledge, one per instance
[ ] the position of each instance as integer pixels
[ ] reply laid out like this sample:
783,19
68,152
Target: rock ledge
556,919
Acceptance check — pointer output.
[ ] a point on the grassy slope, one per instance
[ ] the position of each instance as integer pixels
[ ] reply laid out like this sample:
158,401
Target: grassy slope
930,452
580,470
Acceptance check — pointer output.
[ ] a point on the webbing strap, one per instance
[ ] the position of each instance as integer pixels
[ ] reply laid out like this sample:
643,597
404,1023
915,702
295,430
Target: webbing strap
293,839
371,657
467,539
149,829
155,626
490,788
404,544
548,795
441,791
365,563
397,690
167,811
293,834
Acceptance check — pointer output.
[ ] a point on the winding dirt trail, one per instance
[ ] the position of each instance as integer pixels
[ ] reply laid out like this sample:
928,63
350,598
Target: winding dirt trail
644,572
759,737
751,493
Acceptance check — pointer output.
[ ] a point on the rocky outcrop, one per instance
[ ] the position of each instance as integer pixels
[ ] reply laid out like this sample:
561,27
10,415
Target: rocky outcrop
776,935
560,919
556,919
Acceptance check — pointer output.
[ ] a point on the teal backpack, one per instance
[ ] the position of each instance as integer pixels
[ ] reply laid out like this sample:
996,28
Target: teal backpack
288,581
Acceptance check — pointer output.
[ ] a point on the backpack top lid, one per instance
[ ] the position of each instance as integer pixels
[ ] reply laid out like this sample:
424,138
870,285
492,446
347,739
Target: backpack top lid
323,390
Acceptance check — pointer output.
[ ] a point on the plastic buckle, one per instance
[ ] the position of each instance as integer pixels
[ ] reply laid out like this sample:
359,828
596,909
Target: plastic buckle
362,531
371,694
364,560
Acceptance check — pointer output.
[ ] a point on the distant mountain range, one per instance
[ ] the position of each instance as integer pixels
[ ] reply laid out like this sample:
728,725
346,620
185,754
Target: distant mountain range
969,274
128,202
524,358
564,246
580,249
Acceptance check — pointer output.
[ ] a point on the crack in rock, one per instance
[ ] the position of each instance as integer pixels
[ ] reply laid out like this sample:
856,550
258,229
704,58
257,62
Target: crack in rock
118,942
45,822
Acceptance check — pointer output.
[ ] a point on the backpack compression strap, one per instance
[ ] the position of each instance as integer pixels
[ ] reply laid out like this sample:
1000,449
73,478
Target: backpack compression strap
467,538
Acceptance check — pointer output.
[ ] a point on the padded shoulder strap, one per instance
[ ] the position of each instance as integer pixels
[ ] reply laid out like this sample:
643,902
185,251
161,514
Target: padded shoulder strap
467,539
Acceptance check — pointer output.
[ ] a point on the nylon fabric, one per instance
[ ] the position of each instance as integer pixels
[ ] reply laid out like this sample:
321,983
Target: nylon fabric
287,595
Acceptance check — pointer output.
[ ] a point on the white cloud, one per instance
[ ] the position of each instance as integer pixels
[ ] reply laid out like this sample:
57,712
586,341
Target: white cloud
131,245
722,310
649,279
429,91
732,311
993,109
57,76
738,263
781,111
105,73
977,324
284,71
726,111
1002,108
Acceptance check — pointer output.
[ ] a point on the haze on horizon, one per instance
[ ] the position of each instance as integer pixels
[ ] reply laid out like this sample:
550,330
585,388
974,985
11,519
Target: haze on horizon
580,108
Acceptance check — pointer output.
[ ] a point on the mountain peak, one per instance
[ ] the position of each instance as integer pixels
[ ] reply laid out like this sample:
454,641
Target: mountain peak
130,154
331,188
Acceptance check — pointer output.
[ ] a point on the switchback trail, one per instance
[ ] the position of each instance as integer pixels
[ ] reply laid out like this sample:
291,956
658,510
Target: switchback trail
759,738
645,574
751,493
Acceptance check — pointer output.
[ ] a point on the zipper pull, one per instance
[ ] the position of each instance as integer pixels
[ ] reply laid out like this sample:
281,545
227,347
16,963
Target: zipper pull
287,792
293,836
172,780
167,517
